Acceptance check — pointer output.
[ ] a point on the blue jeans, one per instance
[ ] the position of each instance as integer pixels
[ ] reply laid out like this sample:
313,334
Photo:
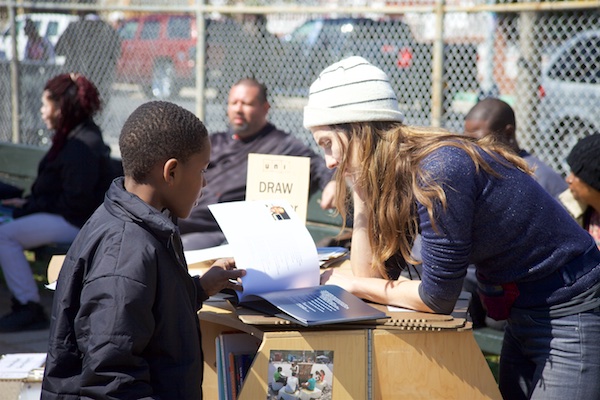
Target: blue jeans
551,358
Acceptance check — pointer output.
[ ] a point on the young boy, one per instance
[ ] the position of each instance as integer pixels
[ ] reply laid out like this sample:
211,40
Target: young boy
124,318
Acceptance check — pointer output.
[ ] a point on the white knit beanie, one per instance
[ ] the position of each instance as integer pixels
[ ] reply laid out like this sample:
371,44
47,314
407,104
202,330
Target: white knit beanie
351,90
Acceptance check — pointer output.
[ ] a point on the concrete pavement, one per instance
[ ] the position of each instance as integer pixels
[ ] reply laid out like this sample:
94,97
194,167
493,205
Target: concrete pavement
26,341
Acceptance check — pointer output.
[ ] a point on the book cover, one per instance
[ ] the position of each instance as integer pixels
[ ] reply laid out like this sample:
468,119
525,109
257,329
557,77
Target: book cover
316,305
282,265
242,363
330,255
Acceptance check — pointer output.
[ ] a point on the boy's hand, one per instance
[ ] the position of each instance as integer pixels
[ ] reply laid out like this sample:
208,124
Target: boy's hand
222,275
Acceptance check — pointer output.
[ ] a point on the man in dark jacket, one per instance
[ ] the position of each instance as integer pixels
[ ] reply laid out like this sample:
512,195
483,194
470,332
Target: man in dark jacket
249,132
91,47
124,322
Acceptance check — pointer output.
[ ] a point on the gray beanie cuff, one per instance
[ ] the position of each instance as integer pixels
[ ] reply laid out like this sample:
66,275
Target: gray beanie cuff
331,116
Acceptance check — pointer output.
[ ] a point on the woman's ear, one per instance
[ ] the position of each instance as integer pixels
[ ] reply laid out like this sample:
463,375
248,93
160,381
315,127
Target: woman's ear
170,170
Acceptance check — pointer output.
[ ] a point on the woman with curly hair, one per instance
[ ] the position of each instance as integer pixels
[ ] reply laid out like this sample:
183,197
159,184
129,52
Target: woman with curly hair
472,203
72,179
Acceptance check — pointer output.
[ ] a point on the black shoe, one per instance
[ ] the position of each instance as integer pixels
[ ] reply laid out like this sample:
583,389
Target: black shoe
24,317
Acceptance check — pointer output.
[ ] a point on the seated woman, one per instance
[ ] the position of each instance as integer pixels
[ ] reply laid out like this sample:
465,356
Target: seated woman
582,199
321,382
309,388
72,178
290,390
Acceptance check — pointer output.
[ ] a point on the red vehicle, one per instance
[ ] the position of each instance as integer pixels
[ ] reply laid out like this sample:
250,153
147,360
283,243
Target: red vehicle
157,52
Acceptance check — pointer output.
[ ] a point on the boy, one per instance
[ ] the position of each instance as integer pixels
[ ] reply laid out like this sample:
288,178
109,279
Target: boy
124,322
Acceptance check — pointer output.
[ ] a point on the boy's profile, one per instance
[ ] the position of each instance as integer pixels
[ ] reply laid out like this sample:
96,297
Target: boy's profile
124,318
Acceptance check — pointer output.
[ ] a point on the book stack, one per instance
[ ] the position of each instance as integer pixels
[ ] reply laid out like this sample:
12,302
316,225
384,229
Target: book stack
235,353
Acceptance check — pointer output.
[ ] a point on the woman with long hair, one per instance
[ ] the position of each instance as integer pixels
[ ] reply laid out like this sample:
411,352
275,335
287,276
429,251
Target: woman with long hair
472,202
72,178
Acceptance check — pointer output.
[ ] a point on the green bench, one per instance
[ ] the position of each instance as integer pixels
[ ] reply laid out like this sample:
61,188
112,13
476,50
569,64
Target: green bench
18,164
18,167
322,224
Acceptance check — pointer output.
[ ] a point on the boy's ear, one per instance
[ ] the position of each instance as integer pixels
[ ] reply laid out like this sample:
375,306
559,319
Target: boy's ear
169,170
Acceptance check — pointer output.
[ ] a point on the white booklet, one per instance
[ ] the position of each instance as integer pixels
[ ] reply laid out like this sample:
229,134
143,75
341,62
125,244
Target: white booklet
270,241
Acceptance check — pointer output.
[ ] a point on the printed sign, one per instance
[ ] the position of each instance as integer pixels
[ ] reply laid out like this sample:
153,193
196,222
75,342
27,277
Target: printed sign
275,177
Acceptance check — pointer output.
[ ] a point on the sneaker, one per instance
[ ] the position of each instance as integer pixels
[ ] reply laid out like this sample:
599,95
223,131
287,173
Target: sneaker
24,317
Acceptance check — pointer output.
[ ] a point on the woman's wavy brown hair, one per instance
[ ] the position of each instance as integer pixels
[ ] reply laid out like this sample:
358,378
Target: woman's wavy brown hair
390,155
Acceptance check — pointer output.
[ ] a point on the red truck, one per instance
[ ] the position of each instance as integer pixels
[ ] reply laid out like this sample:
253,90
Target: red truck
156,52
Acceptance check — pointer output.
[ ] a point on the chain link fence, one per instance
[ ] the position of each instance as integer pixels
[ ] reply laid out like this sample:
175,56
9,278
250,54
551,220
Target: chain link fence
542,58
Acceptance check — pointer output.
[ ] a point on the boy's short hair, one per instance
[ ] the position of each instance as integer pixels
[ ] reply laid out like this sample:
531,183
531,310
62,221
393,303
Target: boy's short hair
155,132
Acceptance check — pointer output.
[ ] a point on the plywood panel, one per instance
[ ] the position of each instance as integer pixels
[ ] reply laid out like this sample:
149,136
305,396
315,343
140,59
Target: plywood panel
349,364
430,365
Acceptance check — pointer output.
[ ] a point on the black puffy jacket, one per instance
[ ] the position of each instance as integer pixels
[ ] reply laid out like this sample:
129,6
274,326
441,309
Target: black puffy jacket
72,184
124,319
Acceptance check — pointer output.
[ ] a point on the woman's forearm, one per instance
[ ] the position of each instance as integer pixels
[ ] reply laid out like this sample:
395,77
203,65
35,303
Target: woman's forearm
361,254
402,292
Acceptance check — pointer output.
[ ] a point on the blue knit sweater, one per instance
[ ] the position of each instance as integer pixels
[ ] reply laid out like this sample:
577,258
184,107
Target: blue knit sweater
508,226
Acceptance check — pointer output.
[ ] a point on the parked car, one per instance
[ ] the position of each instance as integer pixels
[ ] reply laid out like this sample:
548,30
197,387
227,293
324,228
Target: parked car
389,44
158,52
570,96
50,26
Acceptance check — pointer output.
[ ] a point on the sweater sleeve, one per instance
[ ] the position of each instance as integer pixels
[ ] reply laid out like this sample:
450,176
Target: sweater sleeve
446,242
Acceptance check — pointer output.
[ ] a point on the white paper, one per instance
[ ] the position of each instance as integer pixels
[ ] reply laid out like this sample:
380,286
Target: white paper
399,309
18,365
271,243
212,253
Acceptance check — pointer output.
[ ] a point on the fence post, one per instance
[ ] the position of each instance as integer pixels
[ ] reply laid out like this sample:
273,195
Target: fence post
529,70
14,75
437,71
200,60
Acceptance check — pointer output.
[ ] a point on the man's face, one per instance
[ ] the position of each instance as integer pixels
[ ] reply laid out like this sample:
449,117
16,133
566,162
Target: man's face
477,128
246,112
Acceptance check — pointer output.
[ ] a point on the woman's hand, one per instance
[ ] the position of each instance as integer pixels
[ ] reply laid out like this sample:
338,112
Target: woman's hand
222,275
16,202
328,196
345,280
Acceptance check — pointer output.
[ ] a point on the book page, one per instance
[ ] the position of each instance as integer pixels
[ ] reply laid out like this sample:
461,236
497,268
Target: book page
212,253
19,365
271,243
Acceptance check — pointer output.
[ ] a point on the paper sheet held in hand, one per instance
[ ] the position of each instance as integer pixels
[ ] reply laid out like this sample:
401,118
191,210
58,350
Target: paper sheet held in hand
272,244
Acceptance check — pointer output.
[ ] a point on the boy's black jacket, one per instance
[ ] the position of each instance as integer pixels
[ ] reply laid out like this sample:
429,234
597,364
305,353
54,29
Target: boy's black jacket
124,319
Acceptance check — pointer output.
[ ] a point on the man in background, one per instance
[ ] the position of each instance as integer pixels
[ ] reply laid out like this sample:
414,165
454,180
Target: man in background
249,132
38,49
92,48
495,117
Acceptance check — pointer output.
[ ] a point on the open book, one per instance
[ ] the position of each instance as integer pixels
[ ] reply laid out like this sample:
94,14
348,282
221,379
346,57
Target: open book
272,244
